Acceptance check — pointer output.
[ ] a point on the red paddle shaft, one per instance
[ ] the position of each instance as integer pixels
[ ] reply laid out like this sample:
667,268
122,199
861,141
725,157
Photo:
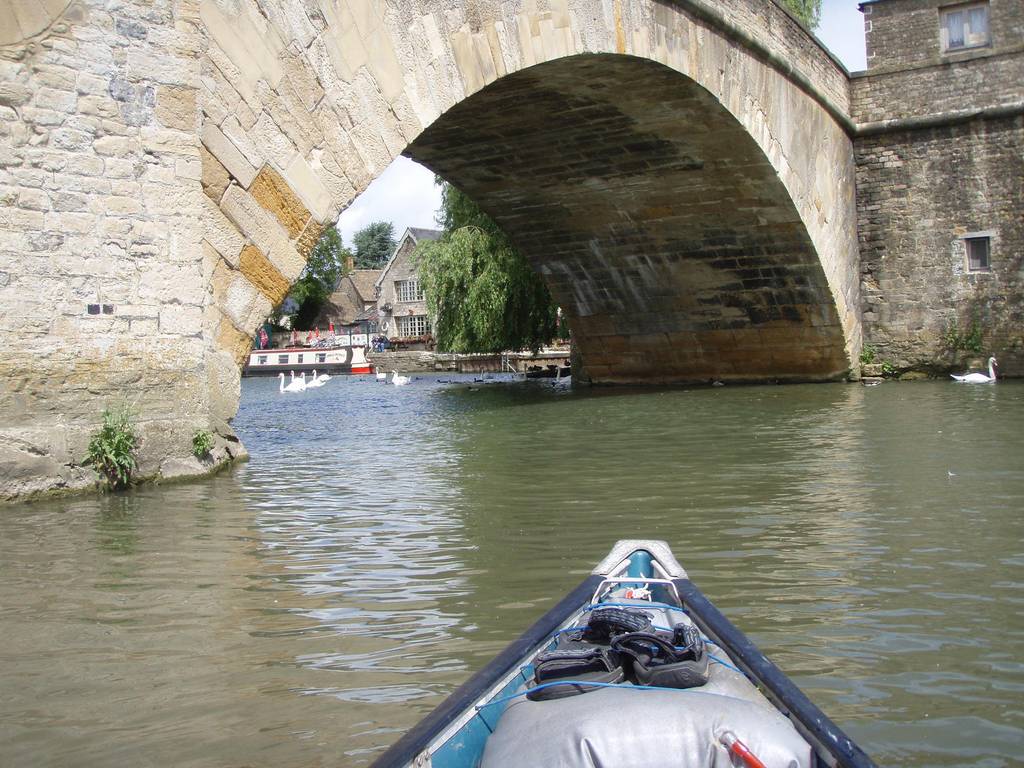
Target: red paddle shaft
740,750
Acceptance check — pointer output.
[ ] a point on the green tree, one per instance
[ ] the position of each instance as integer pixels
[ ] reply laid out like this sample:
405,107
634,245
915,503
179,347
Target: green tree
327,263
808,11
374,244
481,292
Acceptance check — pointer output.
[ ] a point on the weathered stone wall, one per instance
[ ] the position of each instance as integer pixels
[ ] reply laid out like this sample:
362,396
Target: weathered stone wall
940,156
174,161
407,362
100,206
904,35
920,192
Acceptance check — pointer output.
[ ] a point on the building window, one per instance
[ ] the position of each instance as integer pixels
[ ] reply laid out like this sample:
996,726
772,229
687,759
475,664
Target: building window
411,326
408,290
261,360
282,359
300,359
978,254
321,357
965,26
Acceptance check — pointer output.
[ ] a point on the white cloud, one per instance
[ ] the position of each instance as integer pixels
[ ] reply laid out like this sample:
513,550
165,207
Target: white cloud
405,195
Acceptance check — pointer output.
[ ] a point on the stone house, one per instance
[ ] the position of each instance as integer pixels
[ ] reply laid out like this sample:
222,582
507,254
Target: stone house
401,305
940,181
353,303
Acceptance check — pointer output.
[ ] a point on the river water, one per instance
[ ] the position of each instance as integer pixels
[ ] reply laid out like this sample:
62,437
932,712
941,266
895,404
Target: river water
308,607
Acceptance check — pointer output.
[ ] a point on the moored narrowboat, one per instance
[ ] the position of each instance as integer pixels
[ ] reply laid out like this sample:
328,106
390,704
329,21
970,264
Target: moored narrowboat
333,360
635,668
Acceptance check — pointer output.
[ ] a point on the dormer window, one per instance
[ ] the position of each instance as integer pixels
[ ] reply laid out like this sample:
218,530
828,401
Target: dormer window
964,26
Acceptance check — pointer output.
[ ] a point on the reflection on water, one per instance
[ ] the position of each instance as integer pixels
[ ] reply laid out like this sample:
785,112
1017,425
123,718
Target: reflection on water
310,606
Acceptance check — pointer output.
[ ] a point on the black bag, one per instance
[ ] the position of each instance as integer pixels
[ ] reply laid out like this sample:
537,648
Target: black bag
606,623
681,663
579,663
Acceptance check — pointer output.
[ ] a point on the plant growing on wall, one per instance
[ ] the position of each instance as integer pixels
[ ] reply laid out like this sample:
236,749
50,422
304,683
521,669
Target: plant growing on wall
202,443
112,448
867,354
969,340
808,11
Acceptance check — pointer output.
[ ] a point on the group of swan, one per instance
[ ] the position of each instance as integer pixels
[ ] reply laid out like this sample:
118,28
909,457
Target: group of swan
395,378
300,384
978,378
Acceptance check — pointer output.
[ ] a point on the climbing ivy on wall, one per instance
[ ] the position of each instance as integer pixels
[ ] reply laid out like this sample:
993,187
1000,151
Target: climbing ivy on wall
808,11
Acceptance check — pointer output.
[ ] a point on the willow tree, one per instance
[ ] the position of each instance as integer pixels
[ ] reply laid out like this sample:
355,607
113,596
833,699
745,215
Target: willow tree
481,292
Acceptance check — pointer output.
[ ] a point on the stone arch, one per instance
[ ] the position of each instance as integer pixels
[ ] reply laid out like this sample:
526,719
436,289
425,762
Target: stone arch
303,107
661,227
164,169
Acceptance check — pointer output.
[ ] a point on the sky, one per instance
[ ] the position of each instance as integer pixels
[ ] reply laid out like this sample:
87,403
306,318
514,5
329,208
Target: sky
405,194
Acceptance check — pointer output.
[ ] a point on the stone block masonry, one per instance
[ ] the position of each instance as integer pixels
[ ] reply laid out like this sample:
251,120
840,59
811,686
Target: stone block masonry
166,166
920,193
940,159
103,293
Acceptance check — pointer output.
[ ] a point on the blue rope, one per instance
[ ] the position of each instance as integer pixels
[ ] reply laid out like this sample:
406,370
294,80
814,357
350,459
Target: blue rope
640,606
725,664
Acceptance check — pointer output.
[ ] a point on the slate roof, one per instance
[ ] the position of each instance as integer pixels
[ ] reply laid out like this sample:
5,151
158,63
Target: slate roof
419,233
364,281
354,290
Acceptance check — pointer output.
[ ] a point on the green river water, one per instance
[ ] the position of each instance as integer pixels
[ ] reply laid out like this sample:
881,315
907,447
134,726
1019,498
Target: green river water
306,608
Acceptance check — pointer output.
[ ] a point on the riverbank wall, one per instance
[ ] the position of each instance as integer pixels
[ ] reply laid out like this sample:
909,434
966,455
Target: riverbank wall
940,158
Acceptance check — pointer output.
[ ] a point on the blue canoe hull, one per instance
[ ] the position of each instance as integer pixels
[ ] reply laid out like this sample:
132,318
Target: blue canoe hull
456,733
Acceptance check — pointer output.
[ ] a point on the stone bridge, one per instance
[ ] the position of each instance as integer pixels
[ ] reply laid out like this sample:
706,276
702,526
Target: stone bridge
681,172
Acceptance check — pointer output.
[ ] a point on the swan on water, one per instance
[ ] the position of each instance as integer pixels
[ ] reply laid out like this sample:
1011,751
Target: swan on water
324,378
978,378
382,376
399,380
314,382
294,386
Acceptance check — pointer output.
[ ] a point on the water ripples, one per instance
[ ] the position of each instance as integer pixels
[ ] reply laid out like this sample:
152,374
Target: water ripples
384,542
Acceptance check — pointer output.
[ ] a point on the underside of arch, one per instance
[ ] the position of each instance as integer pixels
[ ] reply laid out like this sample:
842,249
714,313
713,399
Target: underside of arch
661,227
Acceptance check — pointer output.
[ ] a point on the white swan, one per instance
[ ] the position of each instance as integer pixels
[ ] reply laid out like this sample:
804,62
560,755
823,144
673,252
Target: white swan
381,376
314,382
324,378
399,380
978,378
294,386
